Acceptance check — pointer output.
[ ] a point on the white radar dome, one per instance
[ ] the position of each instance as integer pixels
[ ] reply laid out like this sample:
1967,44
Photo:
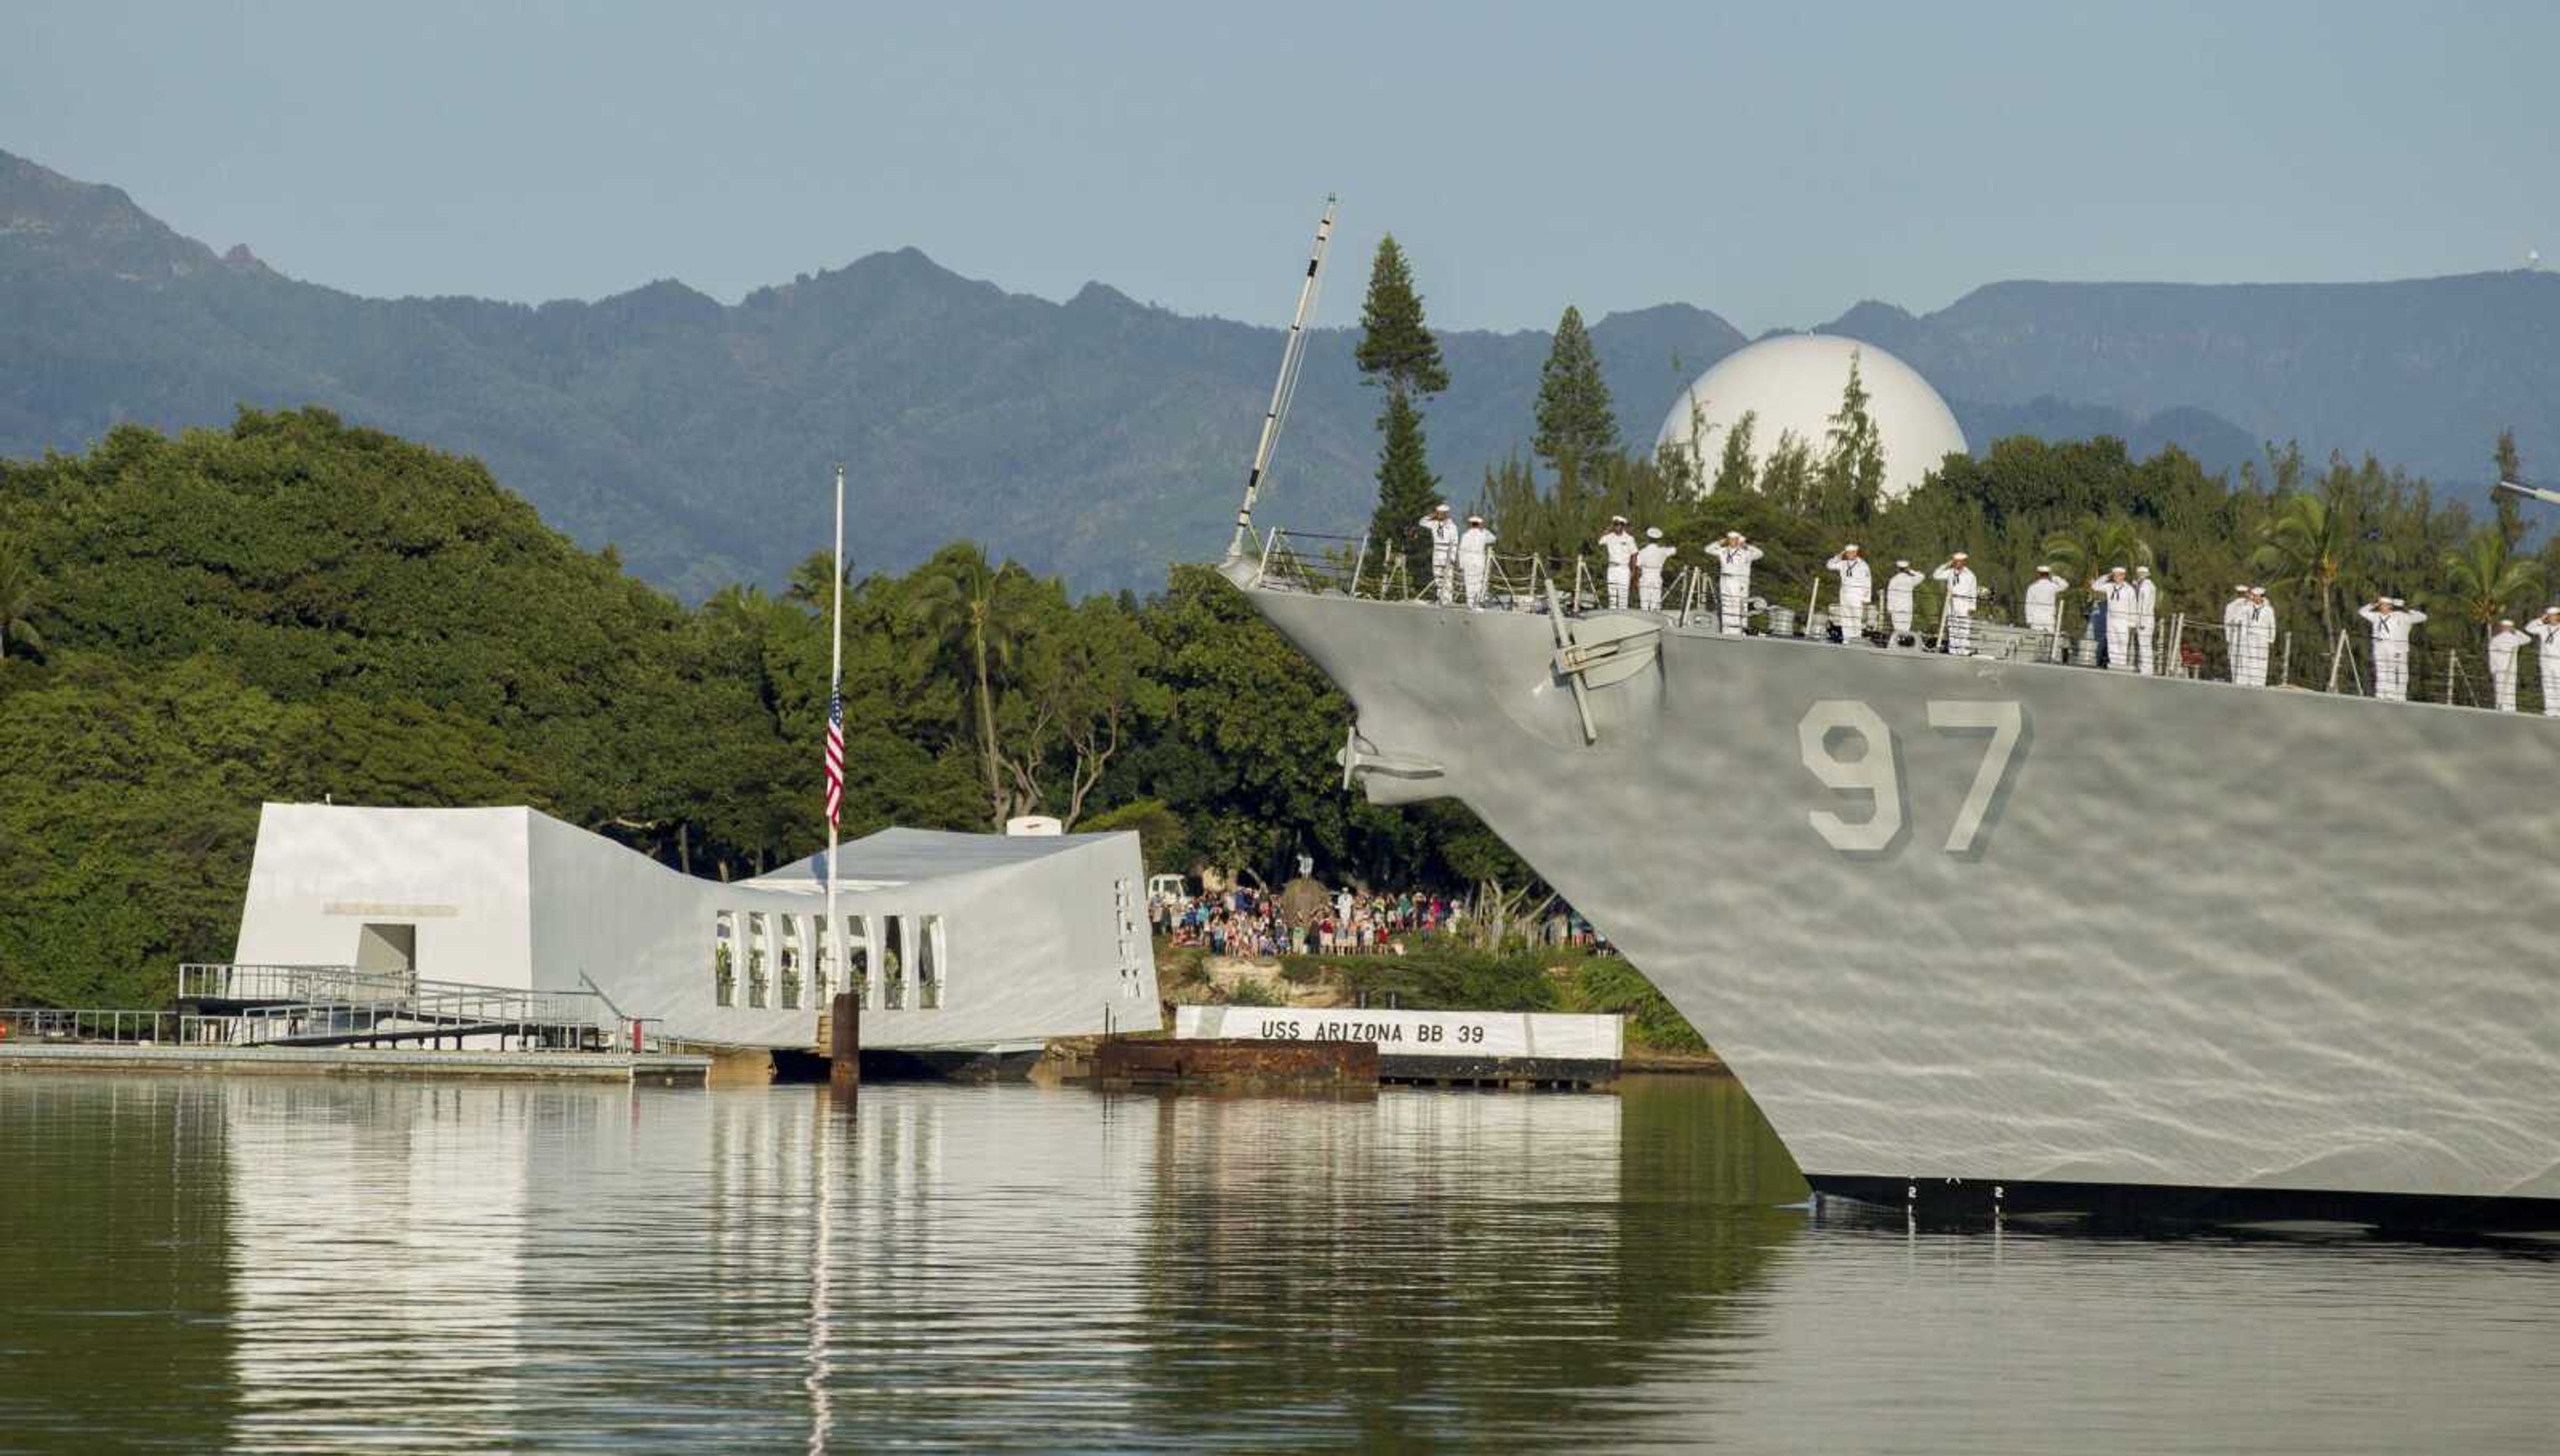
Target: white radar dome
1794,384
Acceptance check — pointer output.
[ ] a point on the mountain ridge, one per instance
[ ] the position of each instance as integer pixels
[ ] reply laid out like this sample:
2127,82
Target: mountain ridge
1094,437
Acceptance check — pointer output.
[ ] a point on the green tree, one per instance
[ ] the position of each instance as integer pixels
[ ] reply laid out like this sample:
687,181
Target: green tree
2486,579
2509,463
20,593
1787,477
1406,488
977,611
1396,348
1736,473
2314,550
1398,352
1576,422
1852,479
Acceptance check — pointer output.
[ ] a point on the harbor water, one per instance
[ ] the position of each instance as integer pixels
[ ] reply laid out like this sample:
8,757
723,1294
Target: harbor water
312,1264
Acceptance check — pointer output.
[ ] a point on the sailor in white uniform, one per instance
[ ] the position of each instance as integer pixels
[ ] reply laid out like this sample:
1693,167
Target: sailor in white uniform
2118,594
1618,545
1901,594
2042,606
1733,558
2502,644
2257,638
2545,630
1857,585
1475,555
2146,617
1650,558
2391,619
1444,548
1964,591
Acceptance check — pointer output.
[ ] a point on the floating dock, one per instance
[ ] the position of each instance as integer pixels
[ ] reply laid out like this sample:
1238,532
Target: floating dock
1238,1063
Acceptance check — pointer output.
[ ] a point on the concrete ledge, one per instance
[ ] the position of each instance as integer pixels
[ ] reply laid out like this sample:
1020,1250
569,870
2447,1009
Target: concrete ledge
653,1068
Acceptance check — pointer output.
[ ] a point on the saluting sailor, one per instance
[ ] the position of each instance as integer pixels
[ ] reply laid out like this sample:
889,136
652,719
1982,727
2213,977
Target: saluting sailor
2502,644
2116,593
2041,605
1733,579
1475,555
1901,594
2257,637
2146,616
1444,548
1857,584
2391,619
1964,589
1649,561
2545,629
1618,545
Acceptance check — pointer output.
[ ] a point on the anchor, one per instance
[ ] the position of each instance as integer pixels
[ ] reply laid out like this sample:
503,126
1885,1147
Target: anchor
1607,651
1360,758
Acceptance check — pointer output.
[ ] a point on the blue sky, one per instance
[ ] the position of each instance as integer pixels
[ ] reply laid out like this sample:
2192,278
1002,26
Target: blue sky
1774,163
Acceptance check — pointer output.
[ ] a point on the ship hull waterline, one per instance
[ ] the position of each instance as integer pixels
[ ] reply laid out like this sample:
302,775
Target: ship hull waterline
2008,925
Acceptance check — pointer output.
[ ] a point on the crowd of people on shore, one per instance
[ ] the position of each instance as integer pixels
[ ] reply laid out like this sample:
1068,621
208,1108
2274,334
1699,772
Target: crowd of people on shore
1243,921
2124,619
1253,924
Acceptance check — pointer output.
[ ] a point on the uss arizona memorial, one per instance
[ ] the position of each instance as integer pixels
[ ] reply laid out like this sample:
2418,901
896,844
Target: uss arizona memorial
960,942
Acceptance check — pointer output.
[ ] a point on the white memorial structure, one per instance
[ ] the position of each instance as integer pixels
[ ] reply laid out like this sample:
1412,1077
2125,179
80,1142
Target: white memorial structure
957,942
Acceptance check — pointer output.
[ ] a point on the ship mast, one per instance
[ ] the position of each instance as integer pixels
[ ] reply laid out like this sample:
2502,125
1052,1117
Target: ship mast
1293,355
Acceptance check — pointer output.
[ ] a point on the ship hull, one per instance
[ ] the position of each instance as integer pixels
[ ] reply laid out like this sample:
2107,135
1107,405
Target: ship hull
2179,936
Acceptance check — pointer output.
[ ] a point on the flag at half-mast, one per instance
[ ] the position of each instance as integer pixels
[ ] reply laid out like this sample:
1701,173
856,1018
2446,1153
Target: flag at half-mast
835,752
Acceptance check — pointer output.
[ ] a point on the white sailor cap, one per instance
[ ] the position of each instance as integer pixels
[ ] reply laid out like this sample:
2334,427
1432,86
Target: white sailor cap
1475,520
2141,570
2394,601
2045,570
2115,570
1617,520
1439,507
1900,562
1735,536
1852,546
1653,533
2255,590
2507,622
1958,557
2553,610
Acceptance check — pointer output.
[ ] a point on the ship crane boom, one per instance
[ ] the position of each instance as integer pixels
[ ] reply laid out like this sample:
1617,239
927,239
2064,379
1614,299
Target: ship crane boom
2546,497
1292,356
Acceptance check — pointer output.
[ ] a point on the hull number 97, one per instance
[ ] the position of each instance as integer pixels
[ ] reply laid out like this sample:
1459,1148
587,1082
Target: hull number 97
1877,770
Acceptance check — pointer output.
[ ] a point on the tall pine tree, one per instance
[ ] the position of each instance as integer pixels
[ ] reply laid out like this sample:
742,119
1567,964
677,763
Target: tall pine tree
1576,422
1398,352
2511,511
1852,479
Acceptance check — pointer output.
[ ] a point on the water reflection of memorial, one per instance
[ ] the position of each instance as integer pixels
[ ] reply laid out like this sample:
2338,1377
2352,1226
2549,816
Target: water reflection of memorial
1450,1268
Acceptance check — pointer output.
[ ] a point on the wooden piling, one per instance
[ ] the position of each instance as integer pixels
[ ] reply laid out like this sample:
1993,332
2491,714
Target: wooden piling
844,1044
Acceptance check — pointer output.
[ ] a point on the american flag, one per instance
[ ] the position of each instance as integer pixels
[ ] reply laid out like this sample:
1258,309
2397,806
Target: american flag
835,752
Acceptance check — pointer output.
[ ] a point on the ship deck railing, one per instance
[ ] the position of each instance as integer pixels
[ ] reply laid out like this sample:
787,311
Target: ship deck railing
2339,661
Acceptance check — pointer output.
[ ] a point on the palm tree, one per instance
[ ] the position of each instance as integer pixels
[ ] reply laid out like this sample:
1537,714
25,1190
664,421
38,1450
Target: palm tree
809,584
2310,548
2095,543
20,592
965,603
2487,575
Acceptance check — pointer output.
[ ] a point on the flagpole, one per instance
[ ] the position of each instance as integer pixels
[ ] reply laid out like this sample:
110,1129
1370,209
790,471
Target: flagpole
835,687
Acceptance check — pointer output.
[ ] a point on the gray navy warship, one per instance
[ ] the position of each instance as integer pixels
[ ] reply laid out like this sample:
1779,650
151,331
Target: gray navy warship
2000,934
